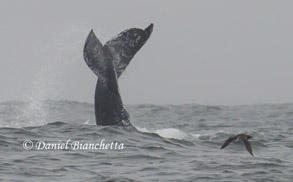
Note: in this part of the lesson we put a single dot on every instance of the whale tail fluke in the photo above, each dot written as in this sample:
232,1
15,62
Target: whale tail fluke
119,50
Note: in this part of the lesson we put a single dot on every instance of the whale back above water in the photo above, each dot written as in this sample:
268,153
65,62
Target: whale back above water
108,63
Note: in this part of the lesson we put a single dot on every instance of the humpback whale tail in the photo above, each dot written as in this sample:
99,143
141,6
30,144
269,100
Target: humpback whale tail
108,63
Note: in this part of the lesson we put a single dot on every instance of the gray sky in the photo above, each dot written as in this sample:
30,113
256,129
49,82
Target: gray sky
205,52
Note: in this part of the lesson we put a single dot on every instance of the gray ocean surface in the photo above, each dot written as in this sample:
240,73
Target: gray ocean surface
170,143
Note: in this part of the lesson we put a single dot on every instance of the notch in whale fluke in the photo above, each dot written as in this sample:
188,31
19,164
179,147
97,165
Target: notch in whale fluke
120,49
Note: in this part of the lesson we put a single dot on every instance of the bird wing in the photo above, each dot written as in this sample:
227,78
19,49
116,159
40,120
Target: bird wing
247,145
227,142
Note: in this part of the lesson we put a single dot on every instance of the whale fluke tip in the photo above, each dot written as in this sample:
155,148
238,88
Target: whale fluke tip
149,29
92,32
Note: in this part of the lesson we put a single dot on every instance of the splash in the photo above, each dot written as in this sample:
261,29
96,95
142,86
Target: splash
58,57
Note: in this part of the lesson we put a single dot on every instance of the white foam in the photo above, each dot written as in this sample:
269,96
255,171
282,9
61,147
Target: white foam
168,133
196,135
172,133
144,130
87,122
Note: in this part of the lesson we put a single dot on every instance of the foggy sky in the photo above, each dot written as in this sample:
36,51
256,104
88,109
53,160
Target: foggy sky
204,52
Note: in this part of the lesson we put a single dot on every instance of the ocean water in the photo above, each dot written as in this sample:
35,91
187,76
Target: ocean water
59,141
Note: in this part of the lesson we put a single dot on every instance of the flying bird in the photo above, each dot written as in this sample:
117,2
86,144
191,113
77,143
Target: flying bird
236,138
